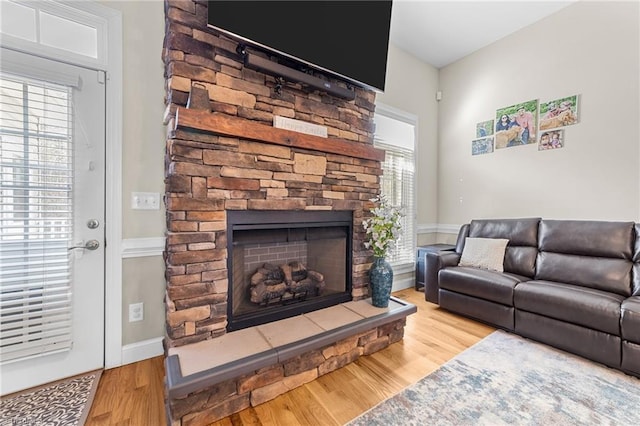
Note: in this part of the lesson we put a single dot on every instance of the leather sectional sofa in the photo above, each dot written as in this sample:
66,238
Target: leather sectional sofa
571,284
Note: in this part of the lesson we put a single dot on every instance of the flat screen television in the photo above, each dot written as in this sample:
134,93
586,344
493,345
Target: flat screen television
346,39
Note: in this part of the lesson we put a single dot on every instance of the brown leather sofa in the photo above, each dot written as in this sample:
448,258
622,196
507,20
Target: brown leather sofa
571,284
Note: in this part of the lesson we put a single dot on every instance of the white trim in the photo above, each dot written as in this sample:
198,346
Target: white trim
142,350
448,228
427,228
142,247
433,228
113,211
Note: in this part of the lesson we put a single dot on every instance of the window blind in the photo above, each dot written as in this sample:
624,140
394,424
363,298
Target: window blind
36,217
397,184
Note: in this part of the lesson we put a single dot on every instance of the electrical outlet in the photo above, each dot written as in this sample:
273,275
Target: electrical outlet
136,312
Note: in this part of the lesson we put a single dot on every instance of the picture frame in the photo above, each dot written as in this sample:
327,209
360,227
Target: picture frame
482,146
484,129
516,125
552,139
559,113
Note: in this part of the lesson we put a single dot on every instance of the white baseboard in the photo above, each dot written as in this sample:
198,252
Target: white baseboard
139,351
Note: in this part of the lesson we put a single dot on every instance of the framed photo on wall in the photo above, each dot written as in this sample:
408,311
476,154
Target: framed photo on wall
552,139
516,124
559,113
484,129
482,146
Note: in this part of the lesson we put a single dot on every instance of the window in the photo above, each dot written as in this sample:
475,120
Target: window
35,217
395,133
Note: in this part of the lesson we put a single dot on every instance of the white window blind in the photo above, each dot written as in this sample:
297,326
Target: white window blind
397,184
36,221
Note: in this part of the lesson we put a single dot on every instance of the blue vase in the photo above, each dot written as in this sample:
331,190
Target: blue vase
381,279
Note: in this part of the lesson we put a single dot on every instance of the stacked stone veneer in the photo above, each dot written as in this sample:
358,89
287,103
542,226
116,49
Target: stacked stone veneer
207,174
231,396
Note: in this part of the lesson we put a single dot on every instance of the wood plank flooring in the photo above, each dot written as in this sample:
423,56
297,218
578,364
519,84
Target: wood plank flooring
134,394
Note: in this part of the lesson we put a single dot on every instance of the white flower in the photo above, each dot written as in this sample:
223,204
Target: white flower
383,228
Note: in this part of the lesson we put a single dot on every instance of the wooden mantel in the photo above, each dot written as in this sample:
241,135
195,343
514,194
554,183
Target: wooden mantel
221,124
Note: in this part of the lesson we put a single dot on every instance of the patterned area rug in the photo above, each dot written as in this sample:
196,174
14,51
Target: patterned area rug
63,403
506,379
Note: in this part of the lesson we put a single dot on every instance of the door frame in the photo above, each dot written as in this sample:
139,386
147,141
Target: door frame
110,61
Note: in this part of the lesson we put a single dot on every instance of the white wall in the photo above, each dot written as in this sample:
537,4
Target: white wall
143,146
411,87
144,135
589,48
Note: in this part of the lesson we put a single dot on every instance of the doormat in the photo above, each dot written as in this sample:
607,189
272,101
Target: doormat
63,403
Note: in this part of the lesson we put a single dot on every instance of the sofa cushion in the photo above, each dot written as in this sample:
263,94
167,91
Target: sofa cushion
521,260
600,273
596,309
519,232
587,238
630,321
584,341
496,314
488,285
520,256
484,253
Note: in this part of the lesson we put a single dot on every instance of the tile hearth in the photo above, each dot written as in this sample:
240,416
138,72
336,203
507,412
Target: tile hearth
191,367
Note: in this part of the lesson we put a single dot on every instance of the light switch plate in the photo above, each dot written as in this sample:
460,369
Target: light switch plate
145,201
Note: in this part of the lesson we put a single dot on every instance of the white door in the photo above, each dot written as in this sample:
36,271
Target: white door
52,154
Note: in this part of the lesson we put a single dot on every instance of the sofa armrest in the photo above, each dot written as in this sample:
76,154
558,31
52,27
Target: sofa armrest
435,261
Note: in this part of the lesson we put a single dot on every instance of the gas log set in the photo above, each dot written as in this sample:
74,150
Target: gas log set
290,282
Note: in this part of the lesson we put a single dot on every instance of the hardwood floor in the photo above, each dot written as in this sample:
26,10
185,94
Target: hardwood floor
130,395
134,394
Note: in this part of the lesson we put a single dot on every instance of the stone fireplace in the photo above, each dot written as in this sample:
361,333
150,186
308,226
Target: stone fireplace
258,212
228,157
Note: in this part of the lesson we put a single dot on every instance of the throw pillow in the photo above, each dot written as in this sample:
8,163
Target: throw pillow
485,253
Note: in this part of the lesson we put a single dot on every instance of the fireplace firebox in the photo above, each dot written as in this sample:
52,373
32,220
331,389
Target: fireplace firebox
286,263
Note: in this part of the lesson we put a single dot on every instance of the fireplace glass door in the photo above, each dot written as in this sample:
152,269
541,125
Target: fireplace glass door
281,265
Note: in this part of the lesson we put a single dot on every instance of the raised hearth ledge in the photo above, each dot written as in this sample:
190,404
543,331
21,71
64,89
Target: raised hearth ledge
267,344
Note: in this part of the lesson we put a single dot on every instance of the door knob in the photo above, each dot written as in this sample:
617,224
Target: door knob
90,245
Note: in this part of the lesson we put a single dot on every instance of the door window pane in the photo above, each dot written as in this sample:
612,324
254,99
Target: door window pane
18,20
68,35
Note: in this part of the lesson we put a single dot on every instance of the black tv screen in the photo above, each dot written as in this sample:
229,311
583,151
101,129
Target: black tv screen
349,39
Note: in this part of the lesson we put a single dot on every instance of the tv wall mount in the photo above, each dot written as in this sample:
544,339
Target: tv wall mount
283,73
